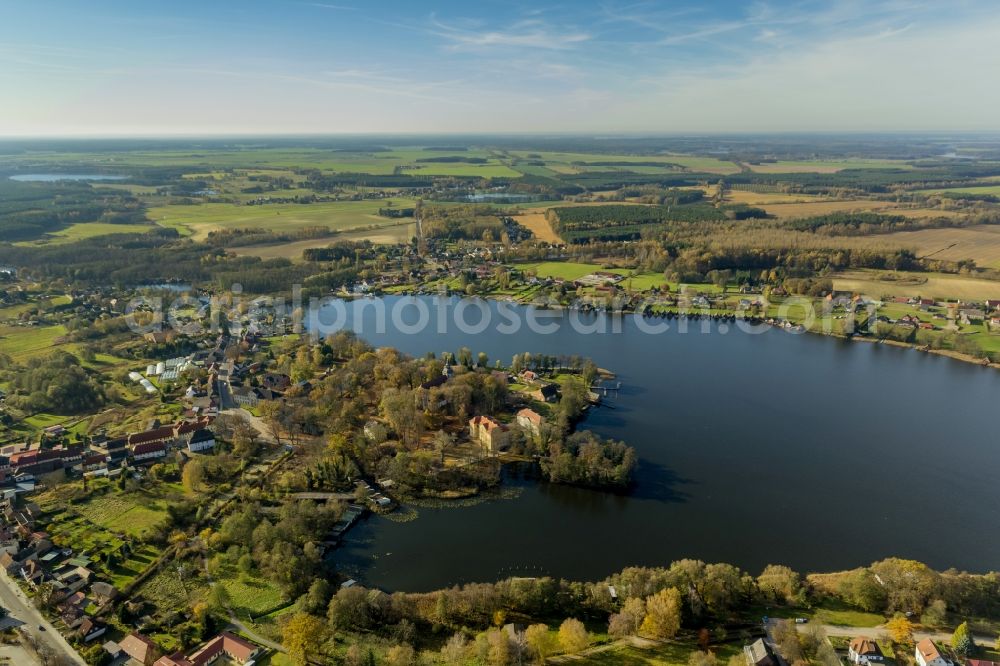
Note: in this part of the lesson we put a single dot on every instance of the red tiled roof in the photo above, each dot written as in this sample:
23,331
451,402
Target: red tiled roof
151,447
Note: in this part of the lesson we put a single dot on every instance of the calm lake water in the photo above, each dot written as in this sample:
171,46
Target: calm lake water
56,177
773,448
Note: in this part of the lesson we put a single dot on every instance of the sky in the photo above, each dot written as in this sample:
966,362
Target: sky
350,66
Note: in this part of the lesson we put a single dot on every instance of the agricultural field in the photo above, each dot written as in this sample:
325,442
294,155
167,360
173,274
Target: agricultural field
979,243
572,163
197,221
814,208
825,166
134,514
992,190
24,342
927,285
82,230
387,235
250,595
538,224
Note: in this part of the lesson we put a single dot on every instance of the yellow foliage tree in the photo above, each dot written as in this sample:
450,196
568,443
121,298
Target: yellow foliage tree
663,614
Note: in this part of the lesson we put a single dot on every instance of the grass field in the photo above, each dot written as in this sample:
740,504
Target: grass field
979,243
251,595
389,235
993,190
927,285
570,163
133,514
199,220
24,342
825,166
82,230
813,208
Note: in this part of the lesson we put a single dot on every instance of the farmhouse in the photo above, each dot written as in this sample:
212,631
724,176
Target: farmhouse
864,651
927,654
488,432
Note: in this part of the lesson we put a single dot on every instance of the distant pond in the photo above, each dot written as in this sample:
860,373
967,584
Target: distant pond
804,450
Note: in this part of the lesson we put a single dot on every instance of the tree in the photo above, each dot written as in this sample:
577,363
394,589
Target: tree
401,655
573,636
900,629
779,583
540,641
193,476
628,621
663,614
456,650
699,658
301,635
935,614
962,640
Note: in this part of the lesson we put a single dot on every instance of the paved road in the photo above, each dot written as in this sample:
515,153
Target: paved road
24,610
880,631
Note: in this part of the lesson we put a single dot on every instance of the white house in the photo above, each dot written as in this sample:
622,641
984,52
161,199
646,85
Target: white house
928,654
201,440
530,420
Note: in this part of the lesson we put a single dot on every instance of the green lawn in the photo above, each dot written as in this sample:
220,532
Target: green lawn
24,342
252,594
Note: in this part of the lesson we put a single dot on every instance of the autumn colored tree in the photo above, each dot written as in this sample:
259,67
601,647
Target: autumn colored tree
900,629
573,636
301,635
663,614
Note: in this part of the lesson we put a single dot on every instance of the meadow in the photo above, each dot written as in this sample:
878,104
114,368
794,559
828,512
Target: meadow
24,342
198,220
927,285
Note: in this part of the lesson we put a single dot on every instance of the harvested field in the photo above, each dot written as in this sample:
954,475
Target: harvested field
927,285
537,224
980,243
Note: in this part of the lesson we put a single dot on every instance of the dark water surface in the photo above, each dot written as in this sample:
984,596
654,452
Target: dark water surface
754,449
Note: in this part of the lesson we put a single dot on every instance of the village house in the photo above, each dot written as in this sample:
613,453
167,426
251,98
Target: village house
531,421
161,435
864,651
928,654
91,629
546,393
489,433
227,645
759,653
140,648
150,451
201,440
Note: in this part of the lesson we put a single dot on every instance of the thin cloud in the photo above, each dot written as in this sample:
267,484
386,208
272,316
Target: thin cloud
526,34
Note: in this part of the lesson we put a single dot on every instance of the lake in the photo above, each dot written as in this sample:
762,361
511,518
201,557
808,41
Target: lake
804,450
56,177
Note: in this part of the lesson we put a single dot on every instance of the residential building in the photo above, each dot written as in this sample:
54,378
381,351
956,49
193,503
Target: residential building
232,647
759,653
201,440
531,421
928,654
490,433
864,651
150,451
140,648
